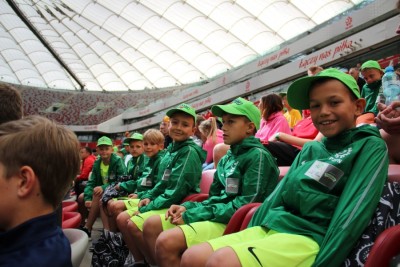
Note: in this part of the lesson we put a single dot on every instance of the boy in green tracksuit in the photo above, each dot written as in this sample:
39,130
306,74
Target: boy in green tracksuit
321,207
179,175
372,73
247,173
134,169
105,170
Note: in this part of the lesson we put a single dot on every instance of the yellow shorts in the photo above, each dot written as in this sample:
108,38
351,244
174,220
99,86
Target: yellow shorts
199,232
258,246
142,217
131,203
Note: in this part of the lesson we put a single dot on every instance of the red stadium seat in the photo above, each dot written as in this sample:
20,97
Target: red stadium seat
207,178
69,206
283,171
394,173
386,246
235,223
71,219
248,216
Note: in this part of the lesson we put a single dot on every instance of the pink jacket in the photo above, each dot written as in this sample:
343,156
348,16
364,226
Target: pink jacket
276,123
209,145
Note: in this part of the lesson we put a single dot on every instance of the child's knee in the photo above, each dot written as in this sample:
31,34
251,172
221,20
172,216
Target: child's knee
152,225
122,220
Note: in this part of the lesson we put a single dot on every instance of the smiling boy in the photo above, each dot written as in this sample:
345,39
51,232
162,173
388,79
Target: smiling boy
179,176
321,207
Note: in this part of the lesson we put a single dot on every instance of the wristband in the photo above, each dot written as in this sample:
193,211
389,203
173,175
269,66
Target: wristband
277,136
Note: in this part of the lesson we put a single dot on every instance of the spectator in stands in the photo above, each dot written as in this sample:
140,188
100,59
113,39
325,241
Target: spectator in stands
197,137
272,119
372,73
285,147
314,70
247,173
211,136
105,171
11,106
31,187
355,72
164,128
292,115
388,119
179,176
326,199
87,161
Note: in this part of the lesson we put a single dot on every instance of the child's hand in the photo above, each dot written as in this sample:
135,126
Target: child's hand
133,196
389,117
174,212
178,221
97,191
117,187
136,213
88,204
144,202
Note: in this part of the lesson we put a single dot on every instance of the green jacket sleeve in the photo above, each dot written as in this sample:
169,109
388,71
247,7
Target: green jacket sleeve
259,178
356,205
128,186
93,181
183,180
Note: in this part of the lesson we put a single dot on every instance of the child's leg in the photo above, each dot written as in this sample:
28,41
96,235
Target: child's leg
105,216
169,247
94,212
152,228
197,255
115,208
126,228
223,257
82,209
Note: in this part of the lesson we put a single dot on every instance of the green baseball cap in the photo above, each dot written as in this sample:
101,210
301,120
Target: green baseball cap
183,108
104,140
240,107
371,64
134,136
298,92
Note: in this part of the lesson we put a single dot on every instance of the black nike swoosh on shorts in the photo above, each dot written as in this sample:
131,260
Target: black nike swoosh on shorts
250,249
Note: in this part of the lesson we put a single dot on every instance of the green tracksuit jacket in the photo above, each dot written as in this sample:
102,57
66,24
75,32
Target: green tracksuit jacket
247,173
116,168
146,181
135,168
330,192
179,175
370,92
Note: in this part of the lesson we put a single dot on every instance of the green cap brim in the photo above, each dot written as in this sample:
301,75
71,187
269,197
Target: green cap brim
298,92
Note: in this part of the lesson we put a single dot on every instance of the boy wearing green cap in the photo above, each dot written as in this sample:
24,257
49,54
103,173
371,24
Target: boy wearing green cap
105,170
372,73
179,174
247,173
321,207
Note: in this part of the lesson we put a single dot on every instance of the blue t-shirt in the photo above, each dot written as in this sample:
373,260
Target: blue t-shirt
37,242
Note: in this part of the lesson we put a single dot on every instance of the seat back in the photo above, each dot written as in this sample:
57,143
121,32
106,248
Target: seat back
79,241
394,173
71,219
283,171
235,223
386,246
207,178
70,206
248,216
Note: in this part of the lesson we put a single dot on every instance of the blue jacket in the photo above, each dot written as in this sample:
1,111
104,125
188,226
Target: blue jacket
37,242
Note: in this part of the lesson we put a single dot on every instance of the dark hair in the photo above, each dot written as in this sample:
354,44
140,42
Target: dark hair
270,104
10,103
88,149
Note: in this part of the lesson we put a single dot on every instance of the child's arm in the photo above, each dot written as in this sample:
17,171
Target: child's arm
357,204
91,184
258,181
183,179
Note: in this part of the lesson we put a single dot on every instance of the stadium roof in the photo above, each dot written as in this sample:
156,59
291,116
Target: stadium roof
117,45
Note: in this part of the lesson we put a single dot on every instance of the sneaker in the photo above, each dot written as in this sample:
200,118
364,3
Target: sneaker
87,231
